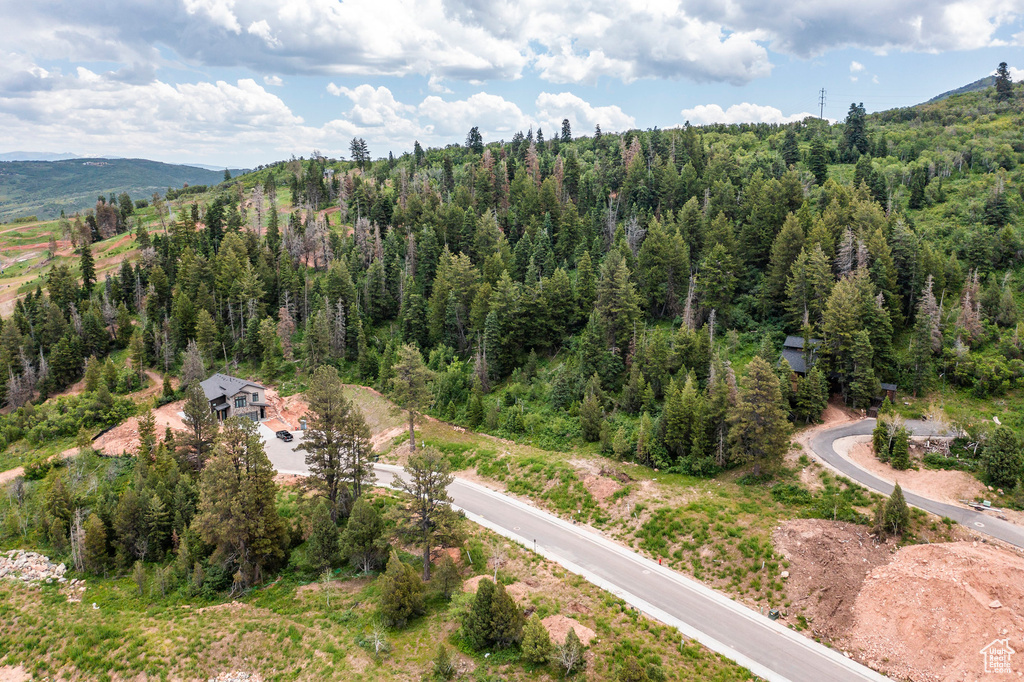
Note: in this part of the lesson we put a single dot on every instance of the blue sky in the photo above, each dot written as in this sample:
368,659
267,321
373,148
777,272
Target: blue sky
244,82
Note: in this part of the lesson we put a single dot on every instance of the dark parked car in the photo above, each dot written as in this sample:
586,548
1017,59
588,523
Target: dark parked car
285,436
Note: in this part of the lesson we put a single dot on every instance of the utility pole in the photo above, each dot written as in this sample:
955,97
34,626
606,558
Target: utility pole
821,104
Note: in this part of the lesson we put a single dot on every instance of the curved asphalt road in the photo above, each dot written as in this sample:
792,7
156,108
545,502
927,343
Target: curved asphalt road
768,649
983,522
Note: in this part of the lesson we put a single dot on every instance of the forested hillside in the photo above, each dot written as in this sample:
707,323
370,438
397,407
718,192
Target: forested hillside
45,188
631,289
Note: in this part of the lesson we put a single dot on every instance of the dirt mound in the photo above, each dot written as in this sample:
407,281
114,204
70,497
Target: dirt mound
828,561
945,486
289,410
928,613
558,627
124,438
14,673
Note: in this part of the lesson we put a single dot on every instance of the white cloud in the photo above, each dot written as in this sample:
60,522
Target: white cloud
856,67
1016,75
583,117
220,12
261,29
738,113
435,85
273,80
243,123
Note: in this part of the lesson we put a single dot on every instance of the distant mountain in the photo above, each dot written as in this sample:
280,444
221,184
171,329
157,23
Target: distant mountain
45,188
36,156
980,84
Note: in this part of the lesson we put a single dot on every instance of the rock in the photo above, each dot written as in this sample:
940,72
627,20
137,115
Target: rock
785,574
995,604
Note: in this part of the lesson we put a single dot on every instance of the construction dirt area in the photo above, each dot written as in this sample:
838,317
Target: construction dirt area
921,612
283,413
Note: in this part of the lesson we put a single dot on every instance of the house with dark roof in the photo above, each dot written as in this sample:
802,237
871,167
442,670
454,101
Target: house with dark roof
793,352
233,397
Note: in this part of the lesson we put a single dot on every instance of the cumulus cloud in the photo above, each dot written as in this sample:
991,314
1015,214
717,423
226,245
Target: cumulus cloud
856,67
583,116
243,123
261,29
273,80
746,112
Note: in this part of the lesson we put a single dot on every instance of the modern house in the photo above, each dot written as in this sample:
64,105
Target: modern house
793,353
233,397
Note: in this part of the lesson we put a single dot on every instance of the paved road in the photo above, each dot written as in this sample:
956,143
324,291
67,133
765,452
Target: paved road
983,522
766,648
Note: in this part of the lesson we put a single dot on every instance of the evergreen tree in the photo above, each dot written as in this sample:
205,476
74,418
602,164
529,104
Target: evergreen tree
409,387
336,444
895,517
444,665
446,579
200,428
94,550
811,397
476,624
880,441
855,135
1004,84
591,416
900,453
475,141
817,161
88,267
401,593
237,504
506,620
790,149
569,655
1002,459
430,516
363,542
760,431
322,546
536,645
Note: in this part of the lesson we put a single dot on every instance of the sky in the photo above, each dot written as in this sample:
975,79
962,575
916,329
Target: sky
243,83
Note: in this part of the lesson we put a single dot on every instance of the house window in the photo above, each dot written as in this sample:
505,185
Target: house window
240,401
255,397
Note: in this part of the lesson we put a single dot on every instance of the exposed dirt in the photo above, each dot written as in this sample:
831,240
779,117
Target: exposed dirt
927,614
124,438
382,440
14,673
558,627
828,561
944,486
287,410
336,586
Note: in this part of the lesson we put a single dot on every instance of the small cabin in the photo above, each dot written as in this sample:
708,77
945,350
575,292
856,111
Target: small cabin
233,397
793,353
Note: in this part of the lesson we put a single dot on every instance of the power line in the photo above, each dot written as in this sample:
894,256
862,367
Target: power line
821,104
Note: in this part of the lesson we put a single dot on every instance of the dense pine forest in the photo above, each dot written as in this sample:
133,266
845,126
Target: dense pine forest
622,292
606,287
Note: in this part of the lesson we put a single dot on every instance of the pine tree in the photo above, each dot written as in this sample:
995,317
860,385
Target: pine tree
880,441
447,578
322,546
591,416
95,545
817,161
476,624
200,428
1001,458
760,431
569,655
430,517
1004,84
444,665
536,646
811,396
506,620
88,267
363,542
900,457
401,593
409,387
895,517
336,443
237,504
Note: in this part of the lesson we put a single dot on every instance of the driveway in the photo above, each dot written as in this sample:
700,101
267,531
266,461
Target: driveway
282,455
821,445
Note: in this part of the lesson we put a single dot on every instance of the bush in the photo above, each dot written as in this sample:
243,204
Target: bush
401,593
1001,458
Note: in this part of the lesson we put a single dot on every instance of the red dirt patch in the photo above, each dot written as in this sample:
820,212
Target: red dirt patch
928,613
558,627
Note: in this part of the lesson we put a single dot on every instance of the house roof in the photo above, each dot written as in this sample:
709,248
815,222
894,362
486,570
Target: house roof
798,342
224,385
795,358
888,387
